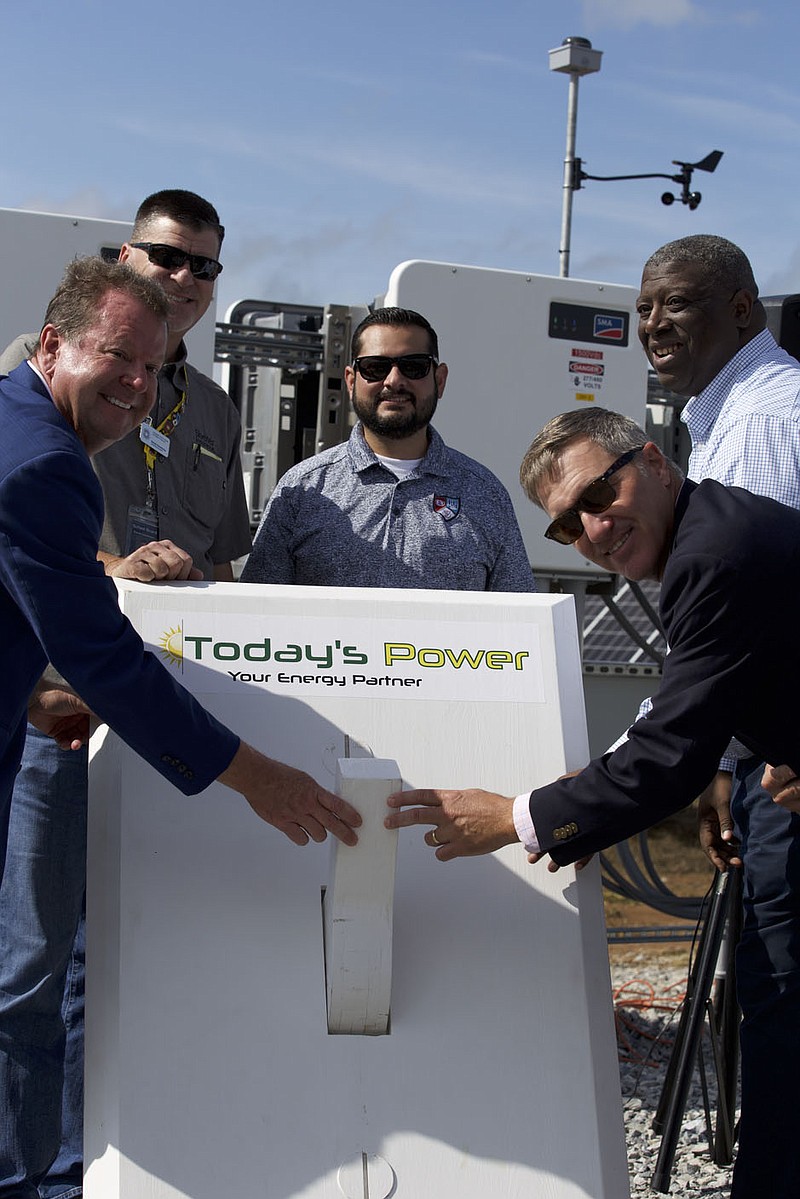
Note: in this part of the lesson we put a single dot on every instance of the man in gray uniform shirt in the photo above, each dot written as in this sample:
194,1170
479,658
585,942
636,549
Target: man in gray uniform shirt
394,506
175,509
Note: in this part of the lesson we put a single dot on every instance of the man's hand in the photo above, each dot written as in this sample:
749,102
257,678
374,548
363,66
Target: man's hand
60,714
714,823
289,799
552,866
156,562
783,785
466,822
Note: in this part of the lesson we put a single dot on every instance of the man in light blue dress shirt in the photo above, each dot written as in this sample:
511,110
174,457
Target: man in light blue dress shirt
704,331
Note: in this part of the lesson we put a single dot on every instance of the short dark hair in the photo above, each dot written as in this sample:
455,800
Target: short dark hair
86,283
718,257
183,207
611,431
396,317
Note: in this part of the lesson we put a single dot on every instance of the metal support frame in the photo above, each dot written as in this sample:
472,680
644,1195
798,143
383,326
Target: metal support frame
722,922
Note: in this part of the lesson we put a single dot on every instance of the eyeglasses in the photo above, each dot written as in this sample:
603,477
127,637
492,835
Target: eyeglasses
596,497
172,259
374,368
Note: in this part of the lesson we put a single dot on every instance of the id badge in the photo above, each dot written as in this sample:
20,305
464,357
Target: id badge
142,528
159,442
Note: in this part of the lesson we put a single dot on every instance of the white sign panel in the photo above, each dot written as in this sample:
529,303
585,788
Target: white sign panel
315,1023
411,659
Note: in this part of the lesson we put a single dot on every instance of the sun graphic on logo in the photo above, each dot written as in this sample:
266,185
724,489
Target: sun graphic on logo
171,646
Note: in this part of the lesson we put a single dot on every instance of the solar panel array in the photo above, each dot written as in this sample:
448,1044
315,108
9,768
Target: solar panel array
605,640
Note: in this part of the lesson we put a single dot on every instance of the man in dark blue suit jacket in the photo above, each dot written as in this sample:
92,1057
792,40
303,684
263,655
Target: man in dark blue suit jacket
92,379
729,565
626,507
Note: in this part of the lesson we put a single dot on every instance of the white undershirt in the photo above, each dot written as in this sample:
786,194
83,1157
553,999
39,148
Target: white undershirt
399,466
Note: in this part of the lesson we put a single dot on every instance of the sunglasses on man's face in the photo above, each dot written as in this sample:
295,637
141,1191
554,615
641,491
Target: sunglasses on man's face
374,368
596,497
172,259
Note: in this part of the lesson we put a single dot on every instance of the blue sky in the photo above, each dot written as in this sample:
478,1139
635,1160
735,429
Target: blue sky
339,140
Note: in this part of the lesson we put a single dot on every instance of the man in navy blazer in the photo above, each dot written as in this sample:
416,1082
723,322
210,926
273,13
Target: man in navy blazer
91,380
626,507
729,566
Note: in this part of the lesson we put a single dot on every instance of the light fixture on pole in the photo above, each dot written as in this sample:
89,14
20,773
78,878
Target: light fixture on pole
574,57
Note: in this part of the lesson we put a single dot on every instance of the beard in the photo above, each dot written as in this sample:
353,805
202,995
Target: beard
396,425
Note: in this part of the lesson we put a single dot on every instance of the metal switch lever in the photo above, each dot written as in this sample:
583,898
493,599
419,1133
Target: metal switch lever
358,904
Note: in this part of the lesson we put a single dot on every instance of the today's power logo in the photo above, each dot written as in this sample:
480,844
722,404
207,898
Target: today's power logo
170,643
444,660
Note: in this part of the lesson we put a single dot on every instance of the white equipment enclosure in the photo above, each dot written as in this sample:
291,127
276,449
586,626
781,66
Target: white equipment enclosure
319,1023
35,247
522,348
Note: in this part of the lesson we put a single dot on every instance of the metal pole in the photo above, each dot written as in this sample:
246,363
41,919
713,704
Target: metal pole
569,166
672,1106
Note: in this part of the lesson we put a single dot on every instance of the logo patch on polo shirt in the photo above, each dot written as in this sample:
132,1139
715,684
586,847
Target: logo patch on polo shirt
447,506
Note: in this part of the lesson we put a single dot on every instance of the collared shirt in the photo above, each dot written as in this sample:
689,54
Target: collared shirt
745,426
342,519
745,431
199,490
40,377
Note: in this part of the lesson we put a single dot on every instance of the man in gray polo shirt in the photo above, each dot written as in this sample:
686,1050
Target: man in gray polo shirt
394,506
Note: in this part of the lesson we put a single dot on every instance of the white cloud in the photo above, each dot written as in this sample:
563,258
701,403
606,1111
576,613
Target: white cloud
445,174
781,278
761,121
666,14
711,104
485,58
626,14
86,202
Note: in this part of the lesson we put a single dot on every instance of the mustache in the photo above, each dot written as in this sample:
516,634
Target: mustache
402,394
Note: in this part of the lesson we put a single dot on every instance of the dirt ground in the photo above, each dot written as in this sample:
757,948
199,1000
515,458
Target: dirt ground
683,868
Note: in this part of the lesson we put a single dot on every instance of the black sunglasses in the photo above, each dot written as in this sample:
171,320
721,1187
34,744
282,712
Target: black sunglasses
172,259
375,367
596,497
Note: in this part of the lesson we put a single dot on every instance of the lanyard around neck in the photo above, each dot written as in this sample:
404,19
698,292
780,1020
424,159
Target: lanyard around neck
168,425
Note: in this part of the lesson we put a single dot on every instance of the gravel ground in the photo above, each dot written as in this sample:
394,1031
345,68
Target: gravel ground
647,1001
